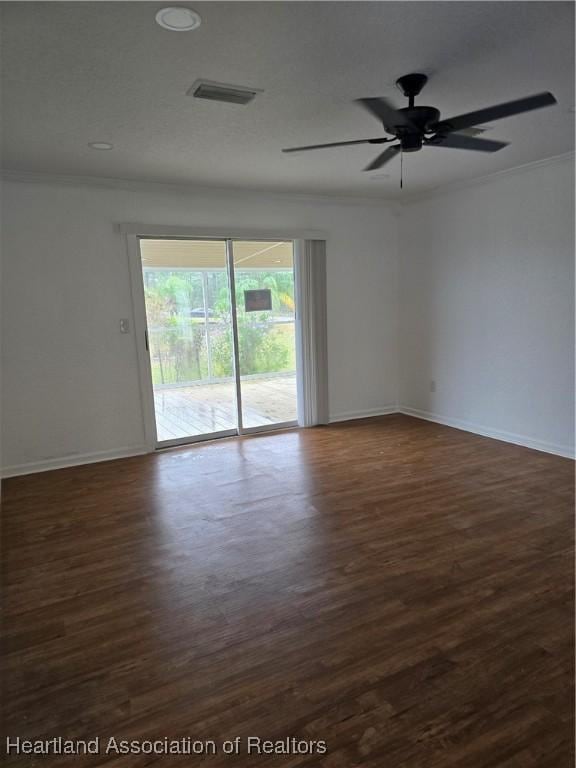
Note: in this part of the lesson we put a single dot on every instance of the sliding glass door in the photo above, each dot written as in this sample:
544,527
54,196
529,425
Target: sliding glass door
264,306
188,314
220,336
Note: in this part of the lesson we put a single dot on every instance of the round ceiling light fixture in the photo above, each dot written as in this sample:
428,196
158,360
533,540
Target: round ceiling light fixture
178,19
102,145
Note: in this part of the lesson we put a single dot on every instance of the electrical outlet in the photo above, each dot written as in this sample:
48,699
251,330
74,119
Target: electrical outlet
432,385
124,326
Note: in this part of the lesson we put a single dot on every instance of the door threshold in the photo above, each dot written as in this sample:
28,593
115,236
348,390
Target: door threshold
252,432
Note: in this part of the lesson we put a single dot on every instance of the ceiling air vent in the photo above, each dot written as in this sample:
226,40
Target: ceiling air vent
233,94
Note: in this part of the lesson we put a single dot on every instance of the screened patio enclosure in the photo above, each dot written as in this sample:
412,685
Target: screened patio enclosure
193,348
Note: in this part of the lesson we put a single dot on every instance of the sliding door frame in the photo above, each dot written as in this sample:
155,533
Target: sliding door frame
140,325
235,340
242,430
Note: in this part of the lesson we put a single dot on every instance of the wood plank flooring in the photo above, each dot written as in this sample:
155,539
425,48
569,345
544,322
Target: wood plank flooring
401,590
205,408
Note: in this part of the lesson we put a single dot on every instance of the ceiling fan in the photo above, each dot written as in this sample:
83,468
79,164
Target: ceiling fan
414,127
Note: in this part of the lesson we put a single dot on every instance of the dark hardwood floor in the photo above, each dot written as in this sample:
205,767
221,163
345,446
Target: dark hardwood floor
401,590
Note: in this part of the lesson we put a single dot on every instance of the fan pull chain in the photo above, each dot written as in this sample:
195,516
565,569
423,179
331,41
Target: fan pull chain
401,168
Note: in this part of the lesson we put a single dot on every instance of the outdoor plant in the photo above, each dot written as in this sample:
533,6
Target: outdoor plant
178,326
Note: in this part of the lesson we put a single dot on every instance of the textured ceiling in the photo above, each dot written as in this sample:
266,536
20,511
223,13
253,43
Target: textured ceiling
98,71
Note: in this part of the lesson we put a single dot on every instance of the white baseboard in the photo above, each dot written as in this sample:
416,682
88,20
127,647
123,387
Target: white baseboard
384,410
496,434
72,461
138,450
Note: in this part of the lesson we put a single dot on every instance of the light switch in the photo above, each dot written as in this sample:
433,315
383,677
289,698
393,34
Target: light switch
124,326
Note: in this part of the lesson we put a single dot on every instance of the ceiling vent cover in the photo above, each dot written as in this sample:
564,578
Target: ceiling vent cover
233,94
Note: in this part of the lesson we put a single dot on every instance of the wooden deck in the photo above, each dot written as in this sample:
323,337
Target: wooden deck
204,408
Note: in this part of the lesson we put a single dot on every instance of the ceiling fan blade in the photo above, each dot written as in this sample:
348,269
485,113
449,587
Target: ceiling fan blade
383,158
384,111
497,112
457,141
337,144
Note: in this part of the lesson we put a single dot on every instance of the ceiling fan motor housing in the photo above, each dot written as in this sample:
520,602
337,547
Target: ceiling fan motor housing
420,119
411,142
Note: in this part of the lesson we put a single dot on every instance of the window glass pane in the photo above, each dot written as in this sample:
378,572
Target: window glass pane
264,281
189,336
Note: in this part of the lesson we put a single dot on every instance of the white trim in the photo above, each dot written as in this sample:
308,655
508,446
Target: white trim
189,188
235,340
384,410
209,269
265,431
455,186
140,325
495,434
392,201
75,460
264,428
193,232
79,459
180,442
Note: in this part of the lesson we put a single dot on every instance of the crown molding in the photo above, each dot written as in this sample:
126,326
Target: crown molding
393,204
447,189
132,185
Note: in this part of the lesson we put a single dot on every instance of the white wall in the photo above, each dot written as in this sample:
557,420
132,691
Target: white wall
70,382
487,307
